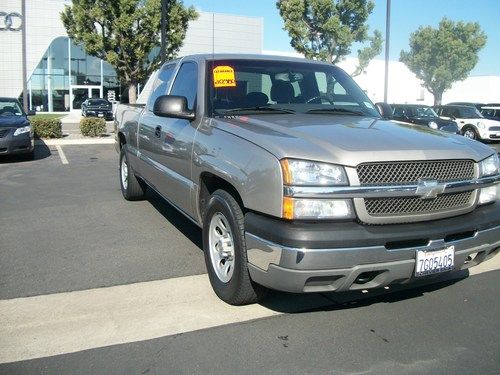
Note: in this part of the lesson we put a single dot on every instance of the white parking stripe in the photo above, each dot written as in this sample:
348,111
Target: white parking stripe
43,326
48,325
60,151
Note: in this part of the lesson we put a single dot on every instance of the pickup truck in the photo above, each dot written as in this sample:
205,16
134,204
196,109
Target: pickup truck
299,184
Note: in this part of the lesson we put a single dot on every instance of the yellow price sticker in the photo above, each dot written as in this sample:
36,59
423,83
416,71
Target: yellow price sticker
224,77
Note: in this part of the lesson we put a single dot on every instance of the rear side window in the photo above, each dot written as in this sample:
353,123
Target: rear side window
161,84
186,83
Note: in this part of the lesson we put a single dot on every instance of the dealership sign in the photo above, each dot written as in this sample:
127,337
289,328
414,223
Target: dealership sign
10,21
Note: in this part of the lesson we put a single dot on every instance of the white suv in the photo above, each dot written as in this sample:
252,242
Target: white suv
470,121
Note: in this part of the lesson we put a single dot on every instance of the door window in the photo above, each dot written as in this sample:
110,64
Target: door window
186,83
161,84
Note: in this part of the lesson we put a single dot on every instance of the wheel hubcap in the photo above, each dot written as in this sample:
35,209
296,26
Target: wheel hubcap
124,173
469,134
221,247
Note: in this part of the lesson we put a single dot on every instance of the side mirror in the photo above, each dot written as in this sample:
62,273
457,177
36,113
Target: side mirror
385,110
31,113
173,106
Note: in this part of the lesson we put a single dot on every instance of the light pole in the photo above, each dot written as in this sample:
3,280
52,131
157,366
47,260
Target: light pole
387,37
164,25
23,49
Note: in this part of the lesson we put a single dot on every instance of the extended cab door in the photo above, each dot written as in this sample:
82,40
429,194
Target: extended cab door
150,128
174,146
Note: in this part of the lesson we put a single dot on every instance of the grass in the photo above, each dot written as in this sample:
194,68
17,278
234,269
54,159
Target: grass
48,116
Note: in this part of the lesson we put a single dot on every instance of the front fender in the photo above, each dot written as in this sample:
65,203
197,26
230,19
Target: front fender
252,171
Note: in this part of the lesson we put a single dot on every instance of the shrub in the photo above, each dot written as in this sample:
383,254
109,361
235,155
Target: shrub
46,128
92,127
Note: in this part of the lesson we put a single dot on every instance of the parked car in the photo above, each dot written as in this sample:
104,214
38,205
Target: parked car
422,115
97,108
478,106
298,183
491,112
471,122
16,133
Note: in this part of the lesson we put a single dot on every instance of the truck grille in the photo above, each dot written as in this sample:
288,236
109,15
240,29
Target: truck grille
4,132
416,205
403,173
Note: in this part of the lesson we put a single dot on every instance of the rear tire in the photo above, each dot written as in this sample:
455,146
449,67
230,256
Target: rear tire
132,188
225,251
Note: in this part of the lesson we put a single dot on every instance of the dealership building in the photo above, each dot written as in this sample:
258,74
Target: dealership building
60,75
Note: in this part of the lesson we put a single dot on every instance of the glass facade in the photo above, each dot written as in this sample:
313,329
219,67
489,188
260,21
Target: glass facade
66,76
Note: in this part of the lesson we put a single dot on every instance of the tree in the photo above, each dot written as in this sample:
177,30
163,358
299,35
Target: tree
125,32
445,55
326,29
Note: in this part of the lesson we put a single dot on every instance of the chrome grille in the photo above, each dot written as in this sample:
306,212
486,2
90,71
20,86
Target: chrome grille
416,205
410,172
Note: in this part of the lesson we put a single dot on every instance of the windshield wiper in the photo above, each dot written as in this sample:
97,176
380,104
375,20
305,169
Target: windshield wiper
257,109
336,110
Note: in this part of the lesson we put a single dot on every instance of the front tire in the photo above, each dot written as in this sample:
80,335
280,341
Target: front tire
471,133
132,189
225,251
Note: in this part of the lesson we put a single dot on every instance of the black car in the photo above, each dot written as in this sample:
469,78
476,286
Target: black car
422,115
16,133
97,108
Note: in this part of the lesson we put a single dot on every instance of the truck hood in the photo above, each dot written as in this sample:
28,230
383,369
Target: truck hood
349,140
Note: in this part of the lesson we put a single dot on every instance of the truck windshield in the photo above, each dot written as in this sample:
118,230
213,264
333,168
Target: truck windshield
248,86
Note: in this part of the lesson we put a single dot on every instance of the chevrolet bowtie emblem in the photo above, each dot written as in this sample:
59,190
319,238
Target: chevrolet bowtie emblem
429,189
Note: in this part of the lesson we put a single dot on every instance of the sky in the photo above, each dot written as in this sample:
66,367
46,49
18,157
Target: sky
406,17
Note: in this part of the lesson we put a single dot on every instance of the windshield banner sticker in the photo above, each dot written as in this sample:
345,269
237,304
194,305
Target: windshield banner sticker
224,77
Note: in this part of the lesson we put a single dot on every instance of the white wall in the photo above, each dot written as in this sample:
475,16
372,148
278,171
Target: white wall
405,87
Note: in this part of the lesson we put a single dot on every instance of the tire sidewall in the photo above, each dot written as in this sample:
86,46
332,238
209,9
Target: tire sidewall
123,154
217,203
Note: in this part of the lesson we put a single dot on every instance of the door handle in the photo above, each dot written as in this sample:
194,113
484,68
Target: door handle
158,131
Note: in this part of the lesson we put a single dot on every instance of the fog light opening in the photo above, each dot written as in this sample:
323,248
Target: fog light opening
470,258
366,277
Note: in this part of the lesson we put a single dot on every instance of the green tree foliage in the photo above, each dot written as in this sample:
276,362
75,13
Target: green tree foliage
442,56
125,32
326,29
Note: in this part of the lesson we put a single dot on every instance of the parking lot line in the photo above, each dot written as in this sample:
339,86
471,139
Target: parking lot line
47,325
60,151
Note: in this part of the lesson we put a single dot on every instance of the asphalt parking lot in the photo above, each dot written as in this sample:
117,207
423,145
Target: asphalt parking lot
93,284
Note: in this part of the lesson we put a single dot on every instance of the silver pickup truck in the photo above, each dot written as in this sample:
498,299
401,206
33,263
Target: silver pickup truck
299,184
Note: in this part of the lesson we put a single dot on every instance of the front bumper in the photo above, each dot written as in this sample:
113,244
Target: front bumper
107,115
318,257
20,144
493,134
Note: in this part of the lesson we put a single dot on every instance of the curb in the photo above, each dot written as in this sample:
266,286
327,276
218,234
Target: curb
69,142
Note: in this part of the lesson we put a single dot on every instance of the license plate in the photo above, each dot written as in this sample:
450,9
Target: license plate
435,261
100,114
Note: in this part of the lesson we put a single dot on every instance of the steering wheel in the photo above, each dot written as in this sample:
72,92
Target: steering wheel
320,96
7,113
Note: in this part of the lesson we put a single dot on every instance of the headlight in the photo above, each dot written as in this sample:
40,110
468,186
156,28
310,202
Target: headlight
303,172
433,125
24,129
480,125
490,166
317,208
488,195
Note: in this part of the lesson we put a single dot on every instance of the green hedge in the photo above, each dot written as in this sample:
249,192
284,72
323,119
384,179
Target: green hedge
46,128
92,127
